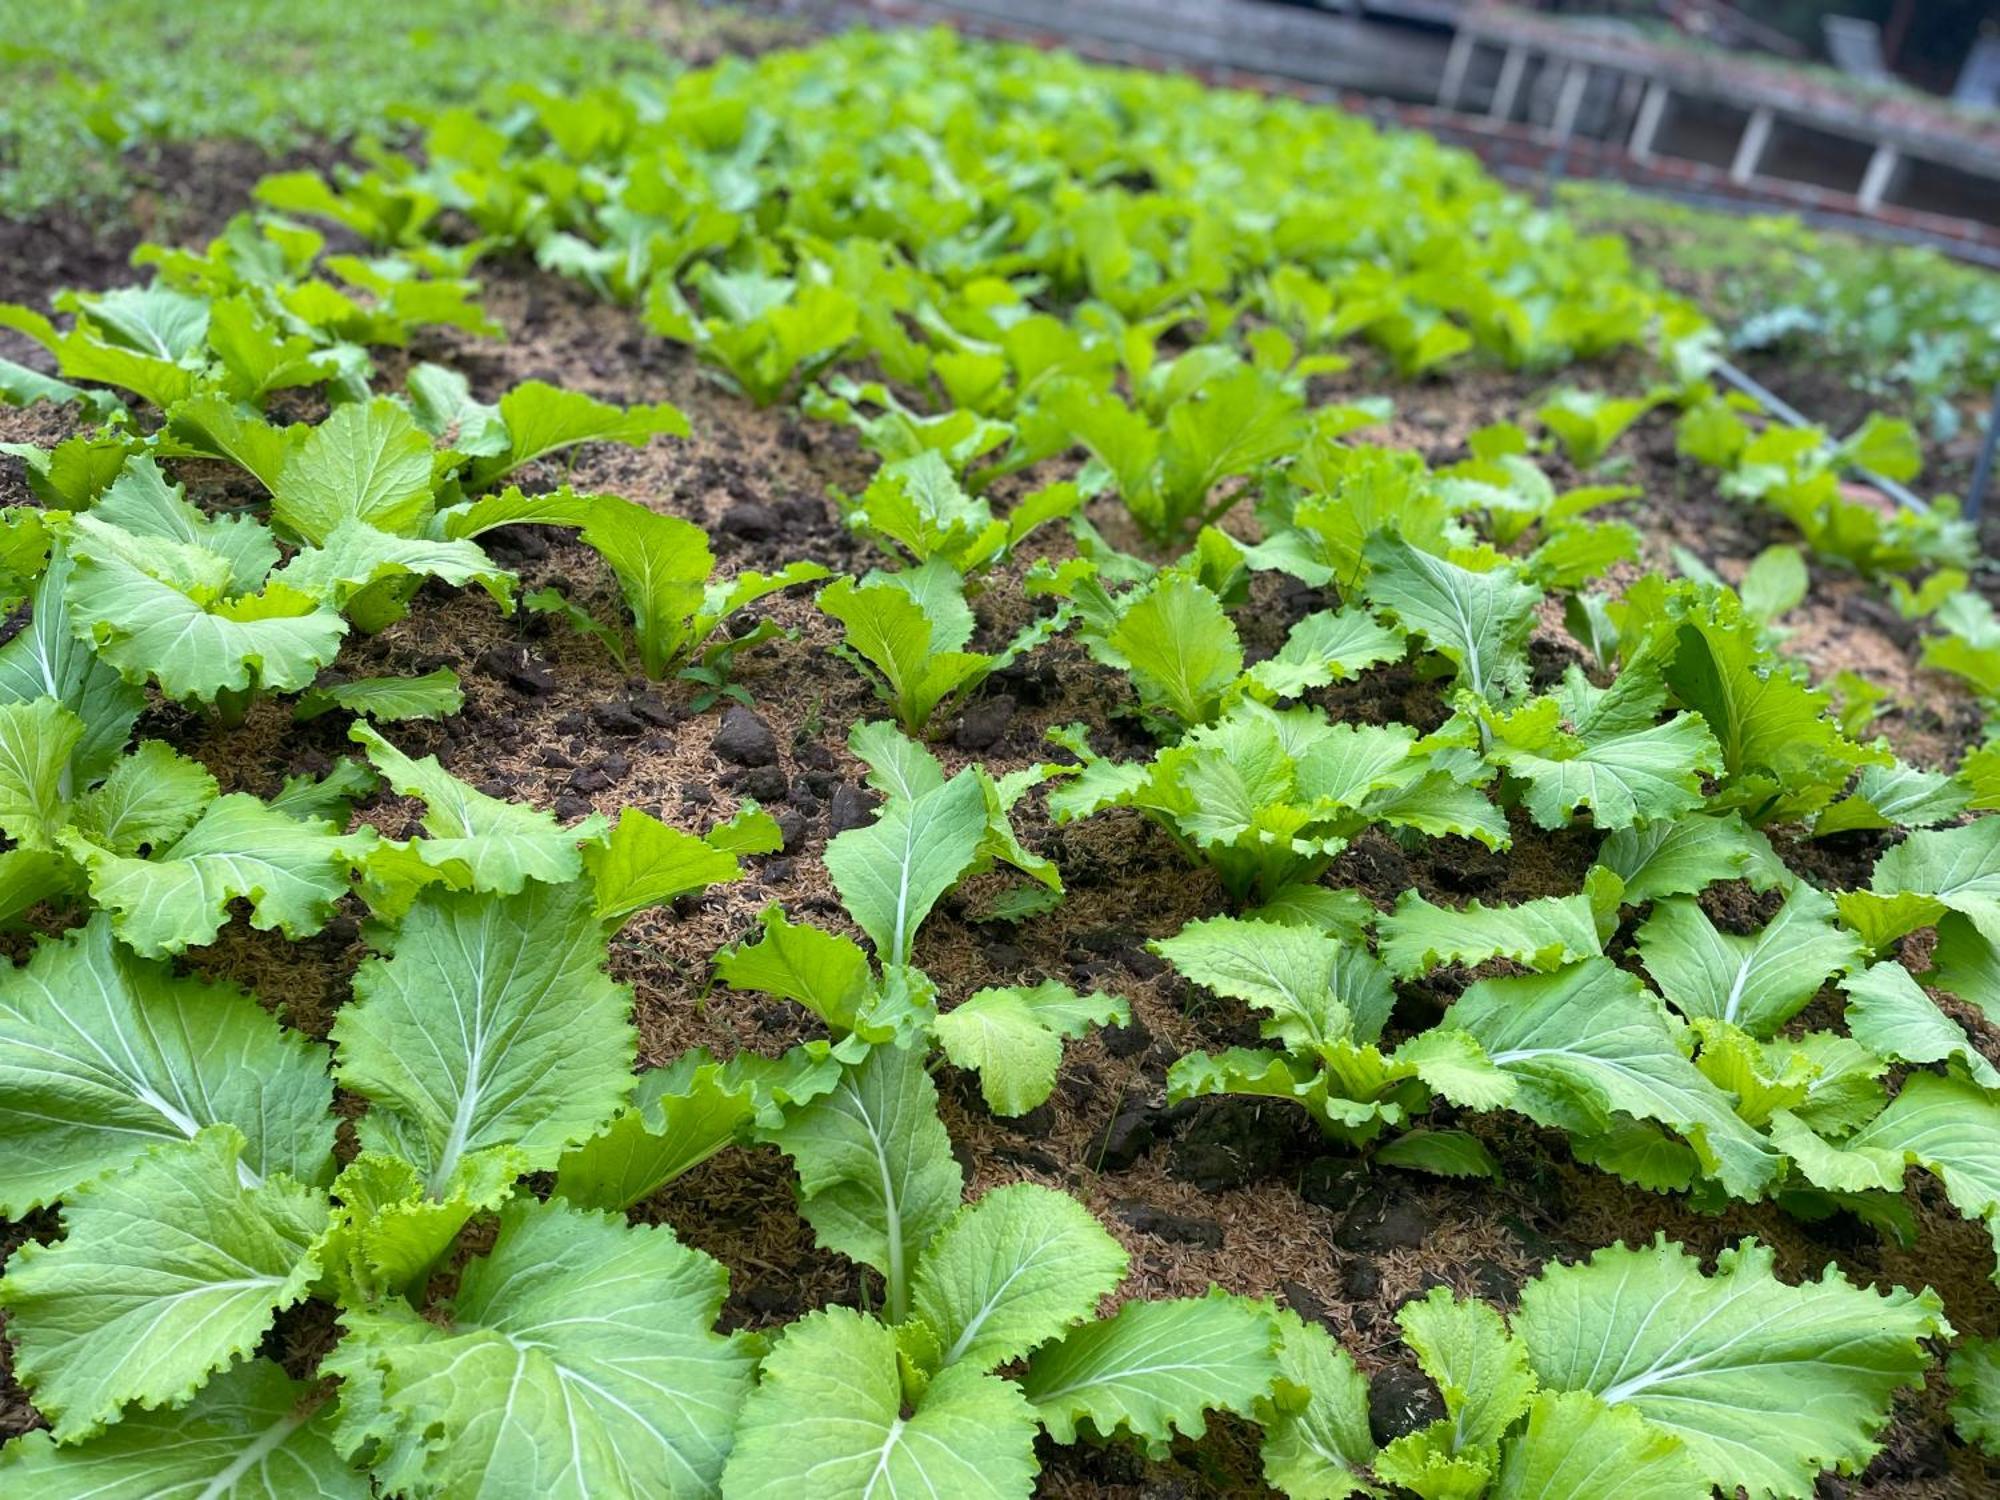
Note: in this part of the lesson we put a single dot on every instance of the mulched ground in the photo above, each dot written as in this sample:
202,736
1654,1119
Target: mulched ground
1243,1194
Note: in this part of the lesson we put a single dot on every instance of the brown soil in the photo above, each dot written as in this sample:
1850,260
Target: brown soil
1234,1193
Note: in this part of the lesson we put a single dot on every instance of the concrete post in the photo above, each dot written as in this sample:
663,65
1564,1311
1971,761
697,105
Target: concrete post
1512,66
1750,150
1885,169
1456,64
1576,79
1652,112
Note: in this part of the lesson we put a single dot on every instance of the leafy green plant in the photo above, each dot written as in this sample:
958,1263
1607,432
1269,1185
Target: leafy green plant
906,633
917,506
1269,797
663,566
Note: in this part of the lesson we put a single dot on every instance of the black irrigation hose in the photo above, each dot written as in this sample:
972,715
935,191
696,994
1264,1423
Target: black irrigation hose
1778,407
1982,472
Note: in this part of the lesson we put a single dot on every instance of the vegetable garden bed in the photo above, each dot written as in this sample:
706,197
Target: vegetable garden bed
1113,874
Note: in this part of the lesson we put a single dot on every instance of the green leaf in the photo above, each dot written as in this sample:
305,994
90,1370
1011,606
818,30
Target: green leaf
37,740
825,972
679,1117
489,1023
46,659
1784,754
1478,1367
1602,750
387,700
1156,1368
441,400
371,574
102,1053
1574,1447
1765,1383
1447,1153
1182,651
150,799
290,870
196,646
331,796
211,425
1012,1037
580,1359
251,1433
1479,622
1590,1040
1010,1272
1323,648
828,1416
171,1268
143,504
888,630
1418,937
876,1175
892,872
662,564
1956,868
1689,854
1897,796
542,419
366,462
389,1230
1313,1446
1889,1014
1286,971
645,863
479,842
1975,1383
1758,982
1950,1128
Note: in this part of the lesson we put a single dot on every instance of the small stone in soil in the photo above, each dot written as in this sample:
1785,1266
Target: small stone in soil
745,739
791,827
1302,1301
765,783
849,807
751,521
1360,1281
1178,1229
589,779
523,673
1124,1139
1037,1124
1379,1222
617,718
982,723
1400,1399
570,807
1127,1041
1331,1181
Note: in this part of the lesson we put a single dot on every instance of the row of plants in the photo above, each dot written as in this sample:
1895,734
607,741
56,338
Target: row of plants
189,1138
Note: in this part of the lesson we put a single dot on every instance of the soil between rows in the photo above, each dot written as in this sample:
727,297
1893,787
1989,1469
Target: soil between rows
1232,1192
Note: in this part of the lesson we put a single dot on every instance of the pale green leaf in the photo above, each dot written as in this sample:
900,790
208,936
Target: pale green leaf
290,870
1012,1271
1156,1368
580,1361
1759,981
892,872
490,1023
102,1053
251,1433
1766,1383
171,1268
829,1418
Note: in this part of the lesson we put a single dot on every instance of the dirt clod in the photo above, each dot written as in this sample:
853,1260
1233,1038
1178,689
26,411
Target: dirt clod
745,739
